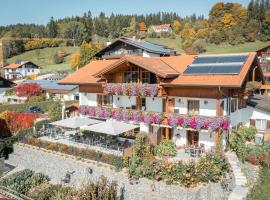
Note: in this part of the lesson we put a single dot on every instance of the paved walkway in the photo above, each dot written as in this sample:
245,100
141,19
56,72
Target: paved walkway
241,189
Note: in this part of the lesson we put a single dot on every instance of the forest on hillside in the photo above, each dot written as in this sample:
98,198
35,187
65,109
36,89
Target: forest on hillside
227,22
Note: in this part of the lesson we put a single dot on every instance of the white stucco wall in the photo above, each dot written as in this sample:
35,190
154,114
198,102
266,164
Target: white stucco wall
144,127
153,104
88,99
254,113
124,101
208,109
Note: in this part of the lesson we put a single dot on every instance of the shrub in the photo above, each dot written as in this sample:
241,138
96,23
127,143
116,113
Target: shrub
23,181
36,99
55,111
252,158
166,148
54,192
248,133
63,148
57,58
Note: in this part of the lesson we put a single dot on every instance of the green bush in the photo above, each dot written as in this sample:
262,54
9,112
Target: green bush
166,148
23,107
23,181
6,146
55,111
34,99
53,192
248,133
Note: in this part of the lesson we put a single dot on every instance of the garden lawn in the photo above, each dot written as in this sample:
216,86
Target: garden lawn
44,58
172,43
262,190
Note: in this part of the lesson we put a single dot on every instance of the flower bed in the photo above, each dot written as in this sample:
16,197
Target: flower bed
187,121
131,89
70,150
211,167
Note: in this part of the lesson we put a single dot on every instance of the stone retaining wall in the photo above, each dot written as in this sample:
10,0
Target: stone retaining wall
55,166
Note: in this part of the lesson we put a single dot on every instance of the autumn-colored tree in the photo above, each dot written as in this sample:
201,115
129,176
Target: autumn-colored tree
142,26
75,60
176,26
87,51
28,90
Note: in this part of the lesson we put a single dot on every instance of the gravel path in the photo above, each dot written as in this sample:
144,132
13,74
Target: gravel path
55,166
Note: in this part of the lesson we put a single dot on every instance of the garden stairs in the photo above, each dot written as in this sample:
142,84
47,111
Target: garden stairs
240,189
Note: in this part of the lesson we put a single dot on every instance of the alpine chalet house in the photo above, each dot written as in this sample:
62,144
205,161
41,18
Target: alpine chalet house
187,99
162,28
127,46
21,69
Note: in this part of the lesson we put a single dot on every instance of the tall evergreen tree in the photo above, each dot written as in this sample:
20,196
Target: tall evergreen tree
52,28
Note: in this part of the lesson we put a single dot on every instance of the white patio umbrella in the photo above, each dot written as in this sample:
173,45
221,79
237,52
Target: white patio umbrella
110,127
75,122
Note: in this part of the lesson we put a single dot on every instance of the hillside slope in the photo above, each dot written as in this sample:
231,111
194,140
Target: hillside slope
44,58
212,48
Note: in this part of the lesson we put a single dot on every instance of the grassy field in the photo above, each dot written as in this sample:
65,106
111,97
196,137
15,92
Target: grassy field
262,190
212,48
44,58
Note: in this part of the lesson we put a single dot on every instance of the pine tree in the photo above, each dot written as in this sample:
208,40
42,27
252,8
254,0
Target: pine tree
52,28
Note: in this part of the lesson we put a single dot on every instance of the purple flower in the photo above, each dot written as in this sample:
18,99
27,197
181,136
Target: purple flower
117,115
172,121
146,118
117,89
153,90
134,90
180,121
91,111
214,124
134,116
156,118
144,90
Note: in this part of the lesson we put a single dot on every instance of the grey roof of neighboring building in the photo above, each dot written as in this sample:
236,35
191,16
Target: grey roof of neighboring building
147,46
51,85
259,102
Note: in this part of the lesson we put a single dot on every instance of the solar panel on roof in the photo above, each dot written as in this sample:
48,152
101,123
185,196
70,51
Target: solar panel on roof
219,59
214,69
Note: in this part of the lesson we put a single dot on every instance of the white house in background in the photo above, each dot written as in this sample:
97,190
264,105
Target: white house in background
4,86
165,28
56,91
21,69
188,87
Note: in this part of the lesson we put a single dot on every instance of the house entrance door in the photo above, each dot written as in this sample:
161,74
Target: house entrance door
192,138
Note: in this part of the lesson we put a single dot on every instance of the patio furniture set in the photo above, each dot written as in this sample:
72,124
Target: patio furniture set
195,150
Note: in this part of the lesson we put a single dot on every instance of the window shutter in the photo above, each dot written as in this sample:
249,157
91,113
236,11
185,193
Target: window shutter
252,122
268,124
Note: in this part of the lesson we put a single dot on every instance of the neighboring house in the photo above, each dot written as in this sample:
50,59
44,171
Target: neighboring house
205,85
127,46
264,58
258,115
56,91
162,28
4,86
21,69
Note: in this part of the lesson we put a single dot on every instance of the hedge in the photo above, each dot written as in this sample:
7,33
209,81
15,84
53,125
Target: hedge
44,105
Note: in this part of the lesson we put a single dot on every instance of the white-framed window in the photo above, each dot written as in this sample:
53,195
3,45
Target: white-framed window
261,124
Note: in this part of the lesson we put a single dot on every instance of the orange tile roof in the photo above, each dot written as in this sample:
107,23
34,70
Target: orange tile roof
265,87
155,65
170,68
15,66
215,80
85,74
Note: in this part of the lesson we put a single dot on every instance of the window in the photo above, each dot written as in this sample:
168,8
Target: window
143,104
146,77
261,124
193,107
233,105
105,100
131,75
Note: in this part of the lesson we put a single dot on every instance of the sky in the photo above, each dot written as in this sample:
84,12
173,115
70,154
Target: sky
40,11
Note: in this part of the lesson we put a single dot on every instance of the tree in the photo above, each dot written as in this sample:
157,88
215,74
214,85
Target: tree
176,26
55,111
142,26
75,60
75,31
87,51
52,28
28,90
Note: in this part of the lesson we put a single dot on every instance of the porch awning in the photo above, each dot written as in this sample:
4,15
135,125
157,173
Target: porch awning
110,127
75,122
